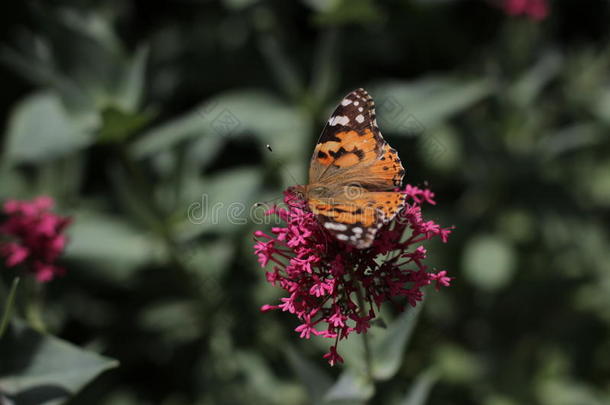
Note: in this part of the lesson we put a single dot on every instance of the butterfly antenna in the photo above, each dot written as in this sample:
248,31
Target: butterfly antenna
287,171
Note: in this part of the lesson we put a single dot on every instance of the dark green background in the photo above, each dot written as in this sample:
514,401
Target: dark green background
119,110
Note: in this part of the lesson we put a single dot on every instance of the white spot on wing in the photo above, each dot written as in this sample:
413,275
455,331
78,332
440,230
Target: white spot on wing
341,236
346,101
335,226
338,120
360,118
356,103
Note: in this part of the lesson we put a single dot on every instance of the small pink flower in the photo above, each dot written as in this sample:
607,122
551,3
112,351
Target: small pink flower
323,276
536,10
441,279
337,319
33,236
332,356
14,253
306,329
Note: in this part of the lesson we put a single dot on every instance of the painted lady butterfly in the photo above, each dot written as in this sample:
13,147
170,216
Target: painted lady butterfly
353,174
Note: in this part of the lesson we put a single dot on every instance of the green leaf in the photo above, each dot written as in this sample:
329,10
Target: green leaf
37,368
525,89
420,390
131,197
350,388
601,106
159,139
220,208
316,380
110,247
260,380
582,135
203,151
8,306
208,260
488,262
118,125
131,88
245,113
176,320
32,57
41,129
457,365
409,108
388,345
95,28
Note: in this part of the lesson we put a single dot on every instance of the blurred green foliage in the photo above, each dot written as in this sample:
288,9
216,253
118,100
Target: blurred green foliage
135,114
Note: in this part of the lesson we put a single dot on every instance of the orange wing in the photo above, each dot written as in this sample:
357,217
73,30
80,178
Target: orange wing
388,168
356,221
358,172
352,149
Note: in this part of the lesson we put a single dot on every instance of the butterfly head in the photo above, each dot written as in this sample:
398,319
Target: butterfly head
299,190
312,191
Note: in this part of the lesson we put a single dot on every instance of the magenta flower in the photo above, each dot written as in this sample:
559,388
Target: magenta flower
535,9
335,289
33,236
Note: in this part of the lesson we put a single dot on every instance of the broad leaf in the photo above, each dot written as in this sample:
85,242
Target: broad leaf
246,113
388,346
37,368
109,247
131,86
350,388
41,129
118,125
409,108
420,390
315,380
219,207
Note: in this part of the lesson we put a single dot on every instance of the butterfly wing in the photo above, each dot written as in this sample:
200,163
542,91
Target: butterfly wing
352,148
357,220
354,162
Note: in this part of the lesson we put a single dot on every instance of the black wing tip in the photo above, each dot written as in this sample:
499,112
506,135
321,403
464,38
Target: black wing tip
360,91
360,94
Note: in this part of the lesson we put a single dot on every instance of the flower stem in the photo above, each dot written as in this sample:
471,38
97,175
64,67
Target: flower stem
8,309
33,304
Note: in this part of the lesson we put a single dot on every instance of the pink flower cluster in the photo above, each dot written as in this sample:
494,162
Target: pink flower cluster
335,289
535,9
32,235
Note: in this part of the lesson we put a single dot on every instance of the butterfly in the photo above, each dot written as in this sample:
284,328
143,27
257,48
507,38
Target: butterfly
354,174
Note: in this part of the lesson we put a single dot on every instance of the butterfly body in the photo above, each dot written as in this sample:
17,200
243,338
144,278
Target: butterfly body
354,174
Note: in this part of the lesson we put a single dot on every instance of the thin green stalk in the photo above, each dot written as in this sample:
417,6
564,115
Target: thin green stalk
33,304
8,309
